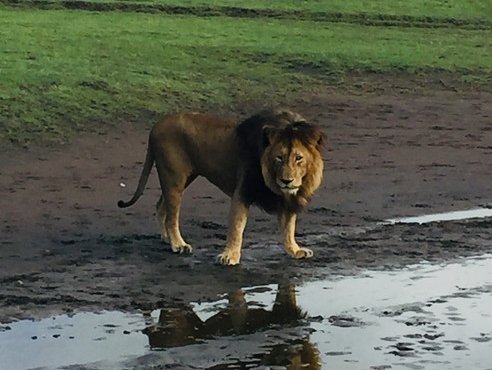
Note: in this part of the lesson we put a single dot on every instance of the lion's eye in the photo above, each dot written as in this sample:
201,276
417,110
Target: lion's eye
278,158
298,157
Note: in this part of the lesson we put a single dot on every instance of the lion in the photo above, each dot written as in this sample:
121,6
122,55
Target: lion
272,160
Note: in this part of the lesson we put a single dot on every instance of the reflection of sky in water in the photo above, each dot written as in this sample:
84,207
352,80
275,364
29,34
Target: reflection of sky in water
450,304
447,216
262,297
82,338
369,298
374,289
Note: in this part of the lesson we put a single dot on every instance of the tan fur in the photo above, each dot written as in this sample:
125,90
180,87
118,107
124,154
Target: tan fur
188,145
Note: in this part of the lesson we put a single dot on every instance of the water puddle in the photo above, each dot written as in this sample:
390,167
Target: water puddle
424,316
447,216
71,339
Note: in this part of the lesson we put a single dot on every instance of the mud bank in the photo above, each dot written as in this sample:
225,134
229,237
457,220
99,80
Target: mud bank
420,316
67,250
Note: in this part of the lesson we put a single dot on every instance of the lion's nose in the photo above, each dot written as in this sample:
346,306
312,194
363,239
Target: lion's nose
287,181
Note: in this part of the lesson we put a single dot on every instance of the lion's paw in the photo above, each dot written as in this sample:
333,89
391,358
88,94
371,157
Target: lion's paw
303,253
229,258
165,238
185,248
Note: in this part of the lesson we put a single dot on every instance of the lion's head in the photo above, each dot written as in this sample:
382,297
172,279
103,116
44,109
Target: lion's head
291,162
281,153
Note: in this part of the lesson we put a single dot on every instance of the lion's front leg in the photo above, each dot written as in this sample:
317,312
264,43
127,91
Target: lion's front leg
238,217
288,226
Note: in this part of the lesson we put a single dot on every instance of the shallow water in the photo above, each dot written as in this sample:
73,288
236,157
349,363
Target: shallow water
446,216
424,316
71,339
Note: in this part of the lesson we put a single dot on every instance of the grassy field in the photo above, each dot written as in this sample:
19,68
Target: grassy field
63,71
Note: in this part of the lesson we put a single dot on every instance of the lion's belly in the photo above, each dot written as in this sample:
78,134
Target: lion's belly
226,184
216,156
219,166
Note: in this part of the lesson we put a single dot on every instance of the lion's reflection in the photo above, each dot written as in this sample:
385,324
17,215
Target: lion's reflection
180,326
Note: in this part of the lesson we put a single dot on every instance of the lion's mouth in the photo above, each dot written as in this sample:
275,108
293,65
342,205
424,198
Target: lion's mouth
291,190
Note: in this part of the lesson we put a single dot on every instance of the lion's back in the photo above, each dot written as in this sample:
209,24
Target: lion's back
204,143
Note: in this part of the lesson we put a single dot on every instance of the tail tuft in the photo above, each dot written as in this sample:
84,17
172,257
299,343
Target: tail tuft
121,204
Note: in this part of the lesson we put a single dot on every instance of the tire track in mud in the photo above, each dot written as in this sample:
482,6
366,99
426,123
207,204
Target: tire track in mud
366,19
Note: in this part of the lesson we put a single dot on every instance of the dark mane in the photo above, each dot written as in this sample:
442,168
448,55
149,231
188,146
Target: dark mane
250,133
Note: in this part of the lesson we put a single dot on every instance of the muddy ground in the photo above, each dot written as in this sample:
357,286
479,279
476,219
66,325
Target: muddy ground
66,246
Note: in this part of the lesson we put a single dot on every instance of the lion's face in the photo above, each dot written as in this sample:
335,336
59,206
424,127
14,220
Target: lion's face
288,166
291,162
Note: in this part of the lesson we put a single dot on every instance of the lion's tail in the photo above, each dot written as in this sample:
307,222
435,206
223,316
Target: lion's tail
149,162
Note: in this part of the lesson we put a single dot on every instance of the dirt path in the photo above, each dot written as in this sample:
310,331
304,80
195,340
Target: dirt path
64,245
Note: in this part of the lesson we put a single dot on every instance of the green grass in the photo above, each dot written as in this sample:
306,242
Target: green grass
64,71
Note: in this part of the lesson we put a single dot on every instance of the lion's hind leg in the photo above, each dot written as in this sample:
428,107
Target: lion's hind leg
160,210
173,187
172,204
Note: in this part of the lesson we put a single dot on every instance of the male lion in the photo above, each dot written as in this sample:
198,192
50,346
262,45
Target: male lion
272,160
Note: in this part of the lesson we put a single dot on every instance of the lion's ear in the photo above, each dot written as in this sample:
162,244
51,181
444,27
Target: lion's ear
269,133
320,139
317,136
311,133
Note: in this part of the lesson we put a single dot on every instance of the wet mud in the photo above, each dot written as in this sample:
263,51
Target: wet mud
419,317
76,272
